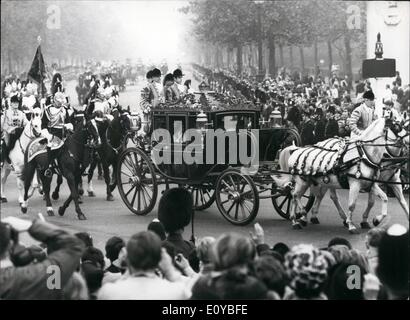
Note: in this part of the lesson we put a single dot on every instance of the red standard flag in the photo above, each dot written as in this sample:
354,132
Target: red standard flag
37,71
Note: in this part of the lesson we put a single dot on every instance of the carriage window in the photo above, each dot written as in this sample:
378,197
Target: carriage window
160,122
235,122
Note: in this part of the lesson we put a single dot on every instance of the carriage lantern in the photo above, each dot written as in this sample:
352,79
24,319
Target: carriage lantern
201,121
135,121
275,119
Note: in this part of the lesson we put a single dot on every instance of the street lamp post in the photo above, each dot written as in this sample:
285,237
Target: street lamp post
260,49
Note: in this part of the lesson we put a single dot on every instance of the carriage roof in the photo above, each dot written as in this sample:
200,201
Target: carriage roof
212,104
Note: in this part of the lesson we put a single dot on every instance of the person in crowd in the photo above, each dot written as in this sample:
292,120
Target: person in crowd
273,274
398,78
175,210
332,125
30,281
76,288
157,227
373,238
204,253
144,258
307,133
393,262
307,270
93,274
113,248
338,286
86,238
320,125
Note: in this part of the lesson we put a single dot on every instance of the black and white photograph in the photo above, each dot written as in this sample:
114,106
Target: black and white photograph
204,150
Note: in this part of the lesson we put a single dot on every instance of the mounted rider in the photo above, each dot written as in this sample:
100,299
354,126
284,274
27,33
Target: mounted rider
363,115
13,122
56,123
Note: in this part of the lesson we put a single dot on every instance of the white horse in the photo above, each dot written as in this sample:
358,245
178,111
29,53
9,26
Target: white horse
313,167
31,131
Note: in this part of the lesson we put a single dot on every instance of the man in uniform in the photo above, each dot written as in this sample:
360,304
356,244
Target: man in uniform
181,89
150,97
13,122
363,115
55,122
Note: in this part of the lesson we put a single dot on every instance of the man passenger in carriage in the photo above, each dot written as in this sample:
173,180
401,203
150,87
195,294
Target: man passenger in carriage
363,115
13,122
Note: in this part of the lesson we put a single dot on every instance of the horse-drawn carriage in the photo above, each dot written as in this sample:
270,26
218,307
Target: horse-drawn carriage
212,161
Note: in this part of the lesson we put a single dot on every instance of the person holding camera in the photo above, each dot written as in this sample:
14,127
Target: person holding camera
22,274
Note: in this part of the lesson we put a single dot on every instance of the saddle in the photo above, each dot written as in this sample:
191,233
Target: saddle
39,146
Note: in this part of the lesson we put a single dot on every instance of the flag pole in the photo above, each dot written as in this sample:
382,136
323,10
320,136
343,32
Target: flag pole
40,70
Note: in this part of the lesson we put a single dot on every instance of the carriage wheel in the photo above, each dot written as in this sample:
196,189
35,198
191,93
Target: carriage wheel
202,195
282,203
236,197
137,183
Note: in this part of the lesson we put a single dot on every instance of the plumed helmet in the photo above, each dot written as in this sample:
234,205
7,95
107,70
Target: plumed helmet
175,209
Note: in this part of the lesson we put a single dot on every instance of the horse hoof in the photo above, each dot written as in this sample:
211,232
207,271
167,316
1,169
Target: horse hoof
61,211
303,223
3,200
345,224
91,193
296,226
353,230
40,191
314,220
376,222
81,192
55,196
50,213
110,197
24,209
81,216
365,225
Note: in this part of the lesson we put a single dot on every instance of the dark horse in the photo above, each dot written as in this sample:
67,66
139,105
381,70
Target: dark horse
70,159
112,135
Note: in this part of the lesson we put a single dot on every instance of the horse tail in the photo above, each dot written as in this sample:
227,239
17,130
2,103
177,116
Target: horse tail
284,156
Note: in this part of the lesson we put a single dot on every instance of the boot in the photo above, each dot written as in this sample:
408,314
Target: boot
49,171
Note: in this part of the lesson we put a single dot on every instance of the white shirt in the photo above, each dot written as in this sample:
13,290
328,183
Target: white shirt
143,288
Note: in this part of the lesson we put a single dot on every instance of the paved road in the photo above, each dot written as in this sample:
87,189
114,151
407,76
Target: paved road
106,219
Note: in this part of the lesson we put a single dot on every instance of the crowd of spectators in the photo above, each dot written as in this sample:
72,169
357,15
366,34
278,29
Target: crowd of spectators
161,264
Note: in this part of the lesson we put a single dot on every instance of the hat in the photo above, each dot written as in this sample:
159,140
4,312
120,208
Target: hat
113,247
156,73
168,77
178,73
393,267
175,209
158,228
149,74
331,109
368,95
14,99
307,268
